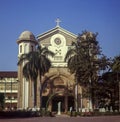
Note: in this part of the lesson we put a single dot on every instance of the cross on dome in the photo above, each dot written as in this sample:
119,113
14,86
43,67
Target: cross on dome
58,22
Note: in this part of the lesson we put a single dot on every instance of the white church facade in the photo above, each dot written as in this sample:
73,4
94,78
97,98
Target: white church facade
58,84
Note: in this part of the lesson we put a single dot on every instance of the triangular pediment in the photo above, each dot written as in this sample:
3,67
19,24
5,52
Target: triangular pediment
53,31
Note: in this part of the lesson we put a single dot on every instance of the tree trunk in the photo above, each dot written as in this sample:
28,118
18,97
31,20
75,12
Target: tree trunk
40,82
35,93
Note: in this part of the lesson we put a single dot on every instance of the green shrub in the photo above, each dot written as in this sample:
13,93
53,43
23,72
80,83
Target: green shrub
73,113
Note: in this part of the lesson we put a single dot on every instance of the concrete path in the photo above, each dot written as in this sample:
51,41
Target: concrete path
65,119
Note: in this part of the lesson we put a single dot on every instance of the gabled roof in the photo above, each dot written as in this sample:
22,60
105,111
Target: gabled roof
57,28
8,74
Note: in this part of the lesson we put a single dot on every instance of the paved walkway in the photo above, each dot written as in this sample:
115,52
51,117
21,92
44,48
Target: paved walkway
65,119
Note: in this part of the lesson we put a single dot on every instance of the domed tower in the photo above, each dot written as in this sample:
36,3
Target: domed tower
26,43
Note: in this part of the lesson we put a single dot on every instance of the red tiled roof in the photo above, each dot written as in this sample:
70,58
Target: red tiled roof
8,74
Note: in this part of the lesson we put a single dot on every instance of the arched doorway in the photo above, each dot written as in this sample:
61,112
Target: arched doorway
67,100
55,102
58,88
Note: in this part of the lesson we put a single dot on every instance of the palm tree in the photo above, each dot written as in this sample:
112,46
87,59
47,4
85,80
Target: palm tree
37,64
30,70
44,64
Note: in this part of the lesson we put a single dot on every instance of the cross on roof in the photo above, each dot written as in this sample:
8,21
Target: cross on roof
58,22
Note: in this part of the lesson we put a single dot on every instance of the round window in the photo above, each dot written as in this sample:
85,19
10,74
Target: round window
57,41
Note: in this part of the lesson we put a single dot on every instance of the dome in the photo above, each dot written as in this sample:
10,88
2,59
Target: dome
26,36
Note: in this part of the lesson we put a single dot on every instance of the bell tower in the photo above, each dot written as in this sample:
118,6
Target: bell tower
26,43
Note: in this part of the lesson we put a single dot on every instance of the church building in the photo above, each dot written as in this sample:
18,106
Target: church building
58,85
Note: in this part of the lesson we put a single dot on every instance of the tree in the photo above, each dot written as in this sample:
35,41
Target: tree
44,64
109,81
37,64
112,78
116,69
73,58
105,64
30,70
116,64
85,61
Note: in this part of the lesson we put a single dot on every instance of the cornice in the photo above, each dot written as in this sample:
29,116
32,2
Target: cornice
57,28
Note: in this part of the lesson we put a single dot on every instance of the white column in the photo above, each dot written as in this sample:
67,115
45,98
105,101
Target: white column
76,97
25,94
59,108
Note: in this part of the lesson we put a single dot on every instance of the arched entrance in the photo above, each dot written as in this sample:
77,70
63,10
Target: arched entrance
67,101
58,88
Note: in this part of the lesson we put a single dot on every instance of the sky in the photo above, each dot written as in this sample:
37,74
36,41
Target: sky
38,16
